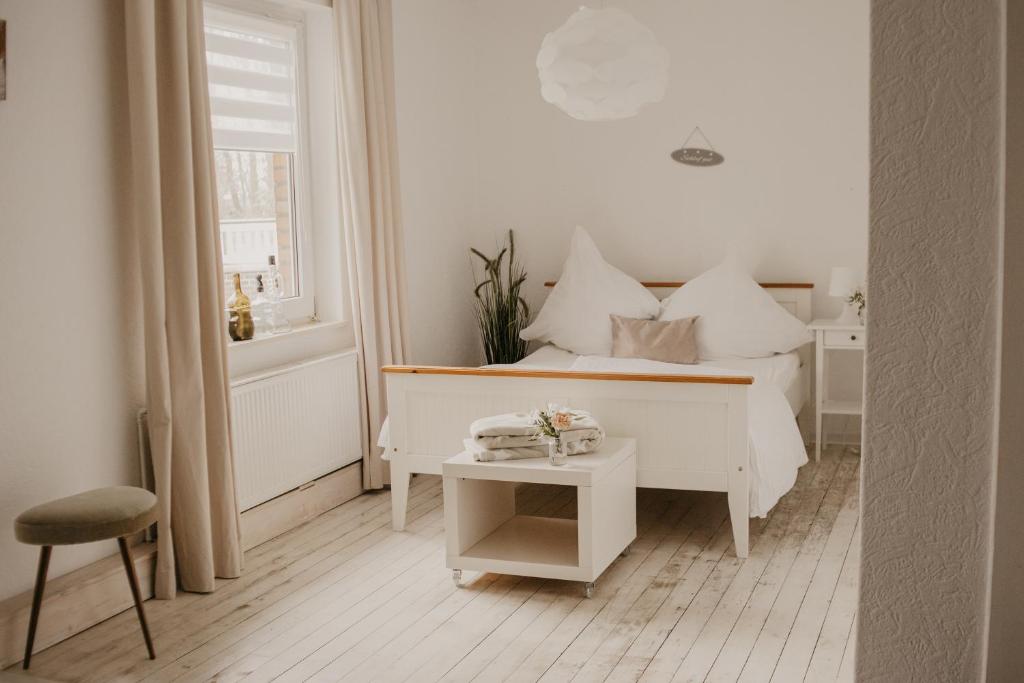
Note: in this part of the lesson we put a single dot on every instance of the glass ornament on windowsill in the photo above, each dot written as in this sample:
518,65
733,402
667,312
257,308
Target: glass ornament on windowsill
261,314
275,320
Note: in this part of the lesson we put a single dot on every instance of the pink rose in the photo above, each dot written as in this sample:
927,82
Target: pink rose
561,421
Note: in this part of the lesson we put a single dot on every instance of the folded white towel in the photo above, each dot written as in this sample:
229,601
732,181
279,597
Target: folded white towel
506,424
481,454
517,430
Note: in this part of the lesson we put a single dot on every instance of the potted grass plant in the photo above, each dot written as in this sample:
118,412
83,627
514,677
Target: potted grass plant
501,311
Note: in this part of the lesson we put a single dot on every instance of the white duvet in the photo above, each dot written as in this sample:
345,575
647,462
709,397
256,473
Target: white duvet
776,447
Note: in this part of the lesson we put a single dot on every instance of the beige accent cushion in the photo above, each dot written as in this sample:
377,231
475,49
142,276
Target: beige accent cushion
91,516
673,341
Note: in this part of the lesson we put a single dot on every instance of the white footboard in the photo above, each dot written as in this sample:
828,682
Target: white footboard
691,431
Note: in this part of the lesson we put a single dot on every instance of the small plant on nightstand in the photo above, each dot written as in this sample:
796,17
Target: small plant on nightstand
858,298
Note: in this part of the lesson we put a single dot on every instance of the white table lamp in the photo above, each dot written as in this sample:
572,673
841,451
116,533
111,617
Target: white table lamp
841,285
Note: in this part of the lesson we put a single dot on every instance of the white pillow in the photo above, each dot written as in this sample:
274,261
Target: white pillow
738,319
577,313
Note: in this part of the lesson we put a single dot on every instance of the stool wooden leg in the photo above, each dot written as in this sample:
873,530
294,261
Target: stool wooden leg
133,580
37,601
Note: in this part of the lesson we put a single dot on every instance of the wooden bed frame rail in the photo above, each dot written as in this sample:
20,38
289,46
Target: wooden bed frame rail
564,374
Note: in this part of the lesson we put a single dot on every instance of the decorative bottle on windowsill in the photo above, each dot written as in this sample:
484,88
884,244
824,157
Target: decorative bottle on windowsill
240,324
261,309
276,321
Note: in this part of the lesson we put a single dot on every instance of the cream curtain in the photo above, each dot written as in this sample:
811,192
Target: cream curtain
370,204
175,217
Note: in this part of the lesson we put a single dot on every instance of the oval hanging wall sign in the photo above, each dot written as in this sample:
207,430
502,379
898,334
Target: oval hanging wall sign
697,154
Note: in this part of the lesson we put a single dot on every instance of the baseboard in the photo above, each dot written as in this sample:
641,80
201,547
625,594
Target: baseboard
74,602
86,596
287,511
848,439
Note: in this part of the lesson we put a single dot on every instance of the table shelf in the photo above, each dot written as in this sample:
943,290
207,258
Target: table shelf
532,540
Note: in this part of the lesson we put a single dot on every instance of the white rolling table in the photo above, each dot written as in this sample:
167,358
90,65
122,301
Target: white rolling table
484,533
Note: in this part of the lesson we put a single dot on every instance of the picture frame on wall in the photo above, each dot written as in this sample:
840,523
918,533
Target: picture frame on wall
3,59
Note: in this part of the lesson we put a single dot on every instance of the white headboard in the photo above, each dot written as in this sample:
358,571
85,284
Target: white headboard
795,297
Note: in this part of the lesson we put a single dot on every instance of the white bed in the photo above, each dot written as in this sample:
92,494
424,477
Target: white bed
692,423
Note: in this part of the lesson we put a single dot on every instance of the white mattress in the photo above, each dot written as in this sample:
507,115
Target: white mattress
548,357
783,369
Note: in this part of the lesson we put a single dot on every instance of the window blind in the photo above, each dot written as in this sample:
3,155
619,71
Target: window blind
251,71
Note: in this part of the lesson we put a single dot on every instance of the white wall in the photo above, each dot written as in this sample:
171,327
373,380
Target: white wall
437,159
936,112
71,379
781,89
1005,655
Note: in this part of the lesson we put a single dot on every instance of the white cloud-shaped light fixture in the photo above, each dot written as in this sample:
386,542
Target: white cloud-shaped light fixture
602,65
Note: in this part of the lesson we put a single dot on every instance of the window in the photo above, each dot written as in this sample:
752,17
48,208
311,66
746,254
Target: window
255,75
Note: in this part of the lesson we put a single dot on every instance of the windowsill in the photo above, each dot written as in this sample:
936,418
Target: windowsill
297,331
306,341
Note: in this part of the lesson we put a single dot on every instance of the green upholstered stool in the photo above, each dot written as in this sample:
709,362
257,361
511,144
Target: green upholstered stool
113,512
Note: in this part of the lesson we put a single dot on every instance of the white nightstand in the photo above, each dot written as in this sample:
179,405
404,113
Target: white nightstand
830,337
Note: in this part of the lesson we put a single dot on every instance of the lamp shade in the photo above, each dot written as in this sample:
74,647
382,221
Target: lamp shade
602,65
843,281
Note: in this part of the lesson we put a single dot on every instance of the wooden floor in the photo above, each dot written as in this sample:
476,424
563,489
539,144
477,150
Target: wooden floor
344,598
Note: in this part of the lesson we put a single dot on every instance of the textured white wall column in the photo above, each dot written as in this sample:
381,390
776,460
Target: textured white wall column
936,108
1005,654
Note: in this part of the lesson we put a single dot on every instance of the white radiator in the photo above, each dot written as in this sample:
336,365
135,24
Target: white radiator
293,425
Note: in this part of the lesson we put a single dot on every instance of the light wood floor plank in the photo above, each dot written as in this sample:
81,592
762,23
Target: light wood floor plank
655,631
627,604
624,633
337,592
551,648
412,633
705,649
831,643
846,669
364,660
800,643
734,653
315,634
680,643
343,598
761,663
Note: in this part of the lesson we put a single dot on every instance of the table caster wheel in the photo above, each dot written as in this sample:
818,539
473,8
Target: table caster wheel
457,577
588,589
625,552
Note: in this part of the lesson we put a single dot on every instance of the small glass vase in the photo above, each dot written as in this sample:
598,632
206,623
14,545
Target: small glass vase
557,452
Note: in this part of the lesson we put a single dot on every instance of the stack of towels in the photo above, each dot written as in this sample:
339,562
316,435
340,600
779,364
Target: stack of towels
514,436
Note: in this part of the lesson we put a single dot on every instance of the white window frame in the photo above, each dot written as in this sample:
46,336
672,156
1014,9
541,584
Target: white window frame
262,17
